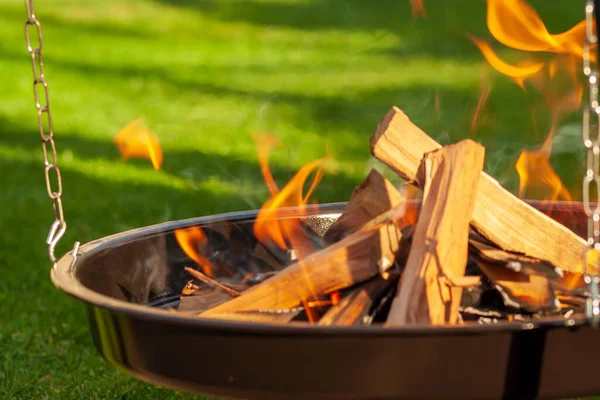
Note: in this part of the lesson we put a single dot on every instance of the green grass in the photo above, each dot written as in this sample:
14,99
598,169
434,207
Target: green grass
204,75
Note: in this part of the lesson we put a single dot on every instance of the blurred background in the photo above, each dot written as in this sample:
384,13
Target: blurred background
205,76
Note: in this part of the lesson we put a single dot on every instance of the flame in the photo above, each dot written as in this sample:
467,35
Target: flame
533,167
411,213
517,72
515,24
265,143
275,224
193,241
418,9
137,141
269,228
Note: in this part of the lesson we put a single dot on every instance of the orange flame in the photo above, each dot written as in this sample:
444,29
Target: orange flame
411,213
265,142
137,141
535,172
515,24
533,167
276,224
271,224
193,242
517,72
269,228
418,9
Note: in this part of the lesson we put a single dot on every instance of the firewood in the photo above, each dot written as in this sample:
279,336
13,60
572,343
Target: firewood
440,242
212,282
514,261
531,293
354,259
202,300
371,198
353,308
498,215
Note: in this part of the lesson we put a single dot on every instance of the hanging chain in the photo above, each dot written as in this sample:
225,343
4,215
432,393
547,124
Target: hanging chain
591,140
42,104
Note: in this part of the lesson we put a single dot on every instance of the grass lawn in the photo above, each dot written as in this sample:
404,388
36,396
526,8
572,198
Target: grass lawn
205,75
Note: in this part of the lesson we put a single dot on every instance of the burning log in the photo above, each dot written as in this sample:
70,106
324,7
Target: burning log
355,307
352,260
372,197
440,242
498,215
531,293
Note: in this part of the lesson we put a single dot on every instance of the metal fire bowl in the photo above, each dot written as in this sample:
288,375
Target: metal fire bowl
553,358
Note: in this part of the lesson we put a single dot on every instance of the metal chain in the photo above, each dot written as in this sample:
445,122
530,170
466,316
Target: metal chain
591,141
42,104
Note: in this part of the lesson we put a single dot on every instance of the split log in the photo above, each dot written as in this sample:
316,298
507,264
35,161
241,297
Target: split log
516,262
356,258
531,293
498,215
372,197
353,308
439,249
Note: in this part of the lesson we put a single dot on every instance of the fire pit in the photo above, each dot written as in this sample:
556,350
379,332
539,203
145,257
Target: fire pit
470,293
130,280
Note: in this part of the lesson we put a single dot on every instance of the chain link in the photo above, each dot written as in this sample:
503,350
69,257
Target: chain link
44,116
591,141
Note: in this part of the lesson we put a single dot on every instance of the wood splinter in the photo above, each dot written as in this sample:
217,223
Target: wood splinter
440,243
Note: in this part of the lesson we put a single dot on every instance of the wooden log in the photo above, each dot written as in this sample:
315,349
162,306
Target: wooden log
439,249
353,308
371,198
498,215
212,282
354,259
202,300
531,293
514,261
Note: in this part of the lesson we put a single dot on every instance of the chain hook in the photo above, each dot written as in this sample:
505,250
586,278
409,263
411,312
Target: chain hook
46,129
57,230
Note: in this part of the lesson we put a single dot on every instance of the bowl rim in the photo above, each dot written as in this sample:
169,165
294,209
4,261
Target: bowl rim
64,277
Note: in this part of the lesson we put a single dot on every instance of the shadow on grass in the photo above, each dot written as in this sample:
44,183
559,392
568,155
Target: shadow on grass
130,203
429,35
